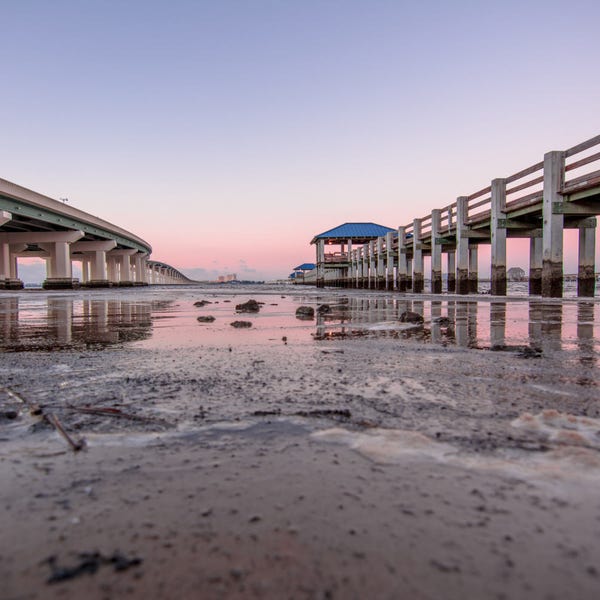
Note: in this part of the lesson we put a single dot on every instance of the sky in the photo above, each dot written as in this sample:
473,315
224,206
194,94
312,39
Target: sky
228,133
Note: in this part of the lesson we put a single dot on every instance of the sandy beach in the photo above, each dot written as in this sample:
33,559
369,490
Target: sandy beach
349,456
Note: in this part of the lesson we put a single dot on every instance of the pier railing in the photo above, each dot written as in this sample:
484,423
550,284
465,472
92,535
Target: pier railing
523,189
561,191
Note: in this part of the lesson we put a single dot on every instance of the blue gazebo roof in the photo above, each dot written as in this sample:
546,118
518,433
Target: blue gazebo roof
357,232
305,267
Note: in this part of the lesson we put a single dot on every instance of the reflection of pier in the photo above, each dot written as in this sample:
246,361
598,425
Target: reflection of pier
63,322
496,325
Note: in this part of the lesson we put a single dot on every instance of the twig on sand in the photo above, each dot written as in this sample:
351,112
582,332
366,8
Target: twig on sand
75,444
36,410
108,412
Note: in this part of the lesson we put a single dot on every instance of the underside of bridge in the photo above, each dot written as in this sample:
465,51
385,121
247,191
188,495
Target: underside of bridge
36,226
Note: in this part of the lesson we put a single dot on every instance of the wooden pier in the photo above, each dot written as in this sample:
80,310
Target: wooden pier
538,203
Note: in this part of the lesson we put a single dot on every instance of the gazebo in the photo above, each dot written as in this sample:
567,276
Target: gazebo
300,271
335,245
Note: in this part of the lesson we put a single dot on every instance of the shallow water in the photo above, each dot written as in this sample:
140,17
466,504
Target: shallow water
166,317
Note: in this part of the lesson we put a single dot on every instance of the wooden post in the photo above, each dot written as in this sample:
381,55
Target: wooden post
552,240
348,279
365,270
436,252
473,269
389,263
586,277
417,257
451,257
402,270
320,263
462,246
380,264
535,266
372,269
498,237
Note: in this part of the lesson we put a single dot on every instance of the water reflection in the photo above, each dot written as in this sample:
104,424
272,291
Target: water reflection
498,325
169,318
62,323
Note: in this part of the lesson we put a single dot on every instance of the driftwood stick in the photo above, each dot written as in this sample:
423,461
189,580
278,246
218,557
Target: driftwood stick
34,409
108,412
75,444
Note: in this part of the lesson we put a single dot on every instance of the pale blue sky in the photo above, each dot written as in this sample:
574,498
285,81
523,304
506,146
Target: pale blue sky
266,122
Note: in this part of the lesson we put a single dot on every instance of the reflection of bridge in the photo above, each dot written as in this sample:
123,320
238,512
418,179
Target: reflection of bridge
537,203
67,322
33,225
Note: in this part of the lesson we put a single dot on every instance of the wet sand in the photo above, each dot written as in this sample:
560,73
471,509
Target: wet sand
389,463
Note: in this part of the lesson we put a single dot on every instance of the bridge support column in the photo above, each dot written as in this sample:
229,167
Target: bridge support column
144,269
402,268
462,246
85,270
436,252
96,259
380,265
535,266
4,252
124,270
136,260
9,277
389,262
122,258
586,276
417,270
552,240
4,264
99,271
111,269
498,237
61,270
451,262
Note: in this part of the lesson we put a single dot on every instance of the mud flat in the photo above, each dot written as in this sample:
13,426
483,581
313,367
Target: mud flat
351,456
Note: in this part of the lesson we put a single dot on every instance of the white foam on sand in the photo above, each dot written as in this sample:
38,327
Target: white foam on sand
560,428
388,446
565,462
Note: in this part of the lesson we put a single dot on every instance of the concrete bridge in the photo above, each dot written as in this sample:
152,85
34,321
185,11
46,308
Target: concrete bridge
33,225
560,192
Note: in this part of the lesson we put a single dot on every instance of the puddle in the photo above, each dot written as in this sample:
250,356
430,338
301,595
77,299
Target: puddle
168,318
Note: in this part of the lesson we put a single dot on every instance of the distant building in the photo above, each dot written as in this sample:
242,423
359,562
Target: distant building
515,274
227,278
